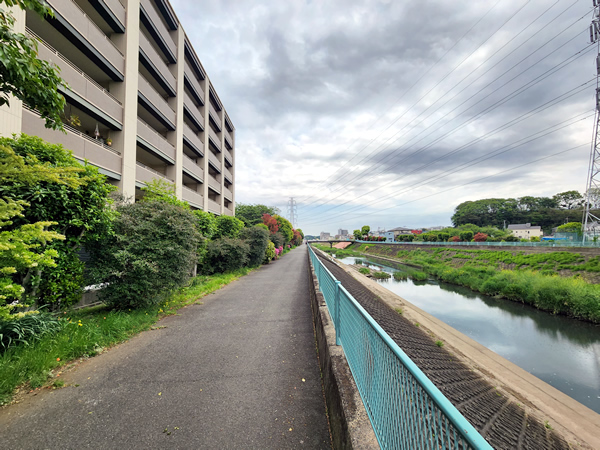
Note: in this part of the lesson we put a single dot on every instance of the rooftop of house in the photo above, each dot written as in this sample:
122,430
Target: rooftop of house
523,226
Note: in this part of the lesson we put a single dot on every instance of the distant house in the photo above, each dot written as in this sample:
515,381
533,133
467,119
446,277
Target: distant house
525,230
388,235
325,236
400,230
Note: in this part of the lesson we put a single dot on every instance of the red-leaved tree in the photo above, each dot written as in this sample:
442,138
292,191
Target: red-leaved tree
480,237
270,222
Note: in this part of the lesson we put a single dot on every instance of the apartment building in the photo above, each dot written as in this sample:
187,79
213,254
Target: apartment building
140,105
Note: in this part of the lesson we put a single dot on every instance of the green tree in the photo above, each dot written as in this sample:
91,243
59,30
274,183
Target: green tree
151,252
252,214
357,234
227,226
163,191
206,223
226,255
257,239
22,74
285,228
364,231
571,227
569,199
75,198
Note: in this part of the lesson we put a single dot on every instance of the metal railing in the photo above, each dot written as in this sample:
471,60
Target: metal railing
406,410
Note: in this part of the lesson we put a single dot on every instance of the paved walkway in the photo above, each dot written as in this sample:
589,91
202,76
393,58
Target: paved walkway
239,371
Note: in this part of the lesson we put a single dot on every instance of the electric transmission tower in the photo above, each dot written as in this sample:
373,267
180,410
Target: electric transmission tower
590,221
292,209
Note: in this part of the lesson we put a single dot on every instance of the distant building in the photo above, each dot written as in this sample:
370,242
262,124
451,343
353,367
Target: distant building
388,235
400,230
342,232
525,230
325,236
438,228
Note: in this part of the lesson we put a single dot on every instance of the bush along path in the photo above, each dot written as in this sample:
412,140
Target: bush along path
527,278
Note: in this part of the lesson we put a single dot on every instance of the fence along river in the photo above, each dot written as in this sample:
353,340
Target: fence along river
562,352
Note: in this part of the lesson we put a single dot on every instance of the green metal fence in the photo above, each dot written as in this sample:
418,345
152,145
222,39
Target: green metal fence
406,410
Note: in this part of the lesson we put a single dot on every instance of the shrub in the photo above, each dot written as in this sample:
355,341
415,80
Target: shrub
511,238
480,237
443,237
226,255
466,236
364,270
269,253
227,226
63,285
205,223
151,252
277,239
257,239
454,239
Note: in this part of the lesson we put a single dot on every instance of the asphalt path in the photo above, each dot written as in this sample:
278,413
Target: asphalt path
238,371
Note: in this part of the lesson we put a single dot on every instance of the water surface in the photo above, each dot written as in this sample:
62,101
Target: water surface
563,352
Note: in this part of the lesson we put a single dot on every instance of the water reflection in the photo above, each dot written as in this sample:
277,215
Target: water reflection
563,352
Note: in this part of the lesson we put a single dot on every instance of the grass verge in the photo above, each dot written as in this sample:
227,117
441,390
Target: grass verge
86,333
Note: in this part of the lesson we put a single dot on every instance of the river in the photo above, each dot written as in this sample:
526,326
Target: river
563,352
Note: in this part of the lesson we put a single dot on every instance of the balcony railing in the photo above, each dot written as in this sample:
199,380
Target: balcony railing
150,135
215,115
192,166
228,140
195,197
187,100
82,145
228,174
214,184
79,20
192,77
193,137
214,207
216,140
155,98
157,60
158,23
146,174
228,194
214,160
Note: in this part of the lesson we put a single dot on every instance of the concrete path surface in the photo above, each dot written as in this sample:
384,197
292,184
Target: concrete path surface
238,371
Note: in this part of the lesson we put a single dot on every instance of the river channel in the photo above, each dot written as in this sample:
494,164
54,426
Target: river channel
563,352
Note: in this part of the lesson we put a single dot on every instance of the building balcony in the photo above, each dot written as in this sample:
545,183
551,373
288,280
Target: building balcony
190,76
76,26
214,207
87,90
83,146
155,103
145,174
113,12
157,66
194,113
151,19
193,169
214,115
227,156
228,194
192,140
212,158
214,184
214,138
154,142
228,211
228,174
228,140
192,197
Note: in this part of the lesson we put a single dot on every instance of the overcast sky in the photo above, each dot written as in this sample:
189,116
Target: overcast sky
390,113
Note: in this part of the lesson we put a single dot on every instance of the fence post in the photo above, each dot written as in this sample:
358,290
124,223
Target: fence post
338,330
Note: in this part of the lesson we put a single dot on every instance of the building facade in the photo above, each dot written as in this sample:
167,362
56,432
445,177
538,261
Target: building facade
140,105
525,230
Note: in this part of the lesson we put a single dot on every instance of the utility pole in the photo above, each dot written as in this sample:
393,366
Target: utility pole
292,209
590,220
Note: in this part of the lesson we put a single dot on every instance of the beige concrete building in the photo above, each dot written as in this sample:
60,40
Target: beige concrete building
525,230
139,103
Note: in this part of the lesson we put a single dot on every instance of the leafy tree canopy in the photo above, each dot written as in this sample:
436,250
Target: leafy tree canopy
253,214
285,228
22,74
227,226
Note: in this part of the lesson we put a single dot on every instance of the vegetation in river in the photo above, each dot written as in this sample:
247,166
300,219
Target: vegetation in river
380,275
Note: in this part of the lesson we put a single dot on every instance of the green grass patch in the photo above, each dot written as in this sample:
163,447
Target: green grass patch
400,275
86,333
364,270
381,275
